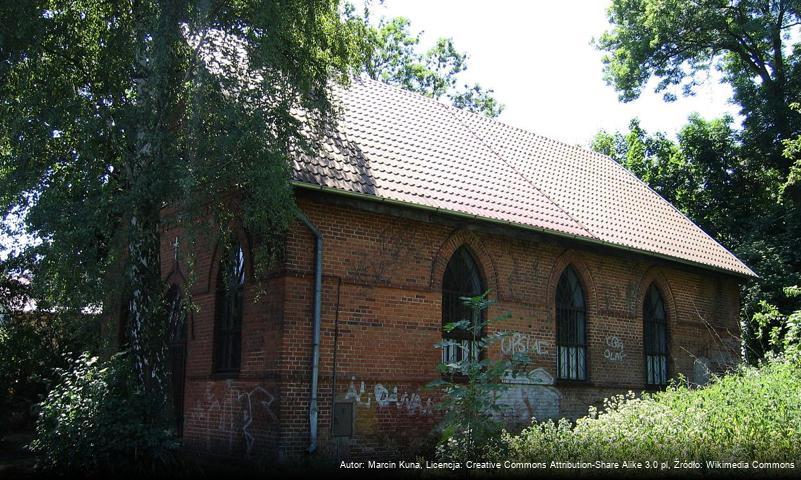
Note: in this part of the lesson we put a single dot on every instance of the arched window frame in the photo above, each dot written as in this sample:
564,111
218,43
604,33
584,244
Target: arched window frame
462,278
176,338
655,338
229,302
174,300
571,327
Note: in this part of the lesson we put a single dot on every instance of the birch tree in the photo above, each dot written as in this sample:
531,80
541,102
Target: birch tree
110,111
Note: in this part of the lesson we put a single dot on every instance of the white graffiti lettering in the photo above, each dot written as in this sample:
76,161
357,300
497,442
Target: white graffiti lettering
531,396
516,342
412,402
222,407
615,351
352,394
383,397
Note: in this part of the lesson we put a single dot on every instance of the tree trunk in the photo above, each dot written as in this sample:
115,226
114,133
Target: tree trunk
145,309
156,84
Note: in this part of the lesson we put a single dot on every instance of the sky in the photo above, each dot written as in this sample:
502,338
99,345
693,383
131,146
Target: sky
538,57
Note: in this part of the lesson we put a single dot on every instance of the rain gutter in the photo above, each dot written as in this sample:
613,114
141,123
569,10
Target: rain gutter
581,238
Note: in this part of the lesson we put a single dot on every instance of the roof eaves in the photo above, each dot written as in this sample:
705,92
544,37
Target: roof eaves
630,173
590,240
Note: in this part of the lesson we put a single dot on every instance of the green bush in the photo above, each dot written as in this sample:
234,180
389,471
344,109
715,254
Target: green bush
30,346
94,420
782,331
751,414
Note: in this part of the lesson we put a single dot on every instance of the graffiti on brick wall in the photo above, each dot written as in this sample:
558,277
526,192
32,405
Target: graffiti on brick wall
528,395
410,402
228,412
614,351
261,398
516,342
355,395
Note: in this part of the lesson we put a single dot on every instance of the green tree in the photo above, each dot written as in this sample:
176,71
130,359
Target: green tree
782,332
676,41
111,110
792,151
396,59
653,158
709,177
741,184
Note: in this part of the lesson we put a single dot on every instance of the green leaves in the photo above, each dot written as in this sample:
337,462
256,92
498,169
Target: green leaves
751,414
110,111
782,332
97,420
792,151
677,42
461,325
394,58
470,425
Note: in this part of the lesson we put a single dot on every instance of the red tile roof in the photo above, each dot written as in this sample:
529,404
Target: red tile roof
394,145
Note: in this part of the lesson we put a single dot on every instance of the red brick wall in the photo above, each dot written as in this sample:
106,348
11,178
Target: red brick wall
381,286
228,415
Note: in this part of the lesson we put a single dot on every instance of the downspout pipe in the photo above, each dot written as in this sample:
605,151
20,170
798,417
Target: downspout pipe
318,287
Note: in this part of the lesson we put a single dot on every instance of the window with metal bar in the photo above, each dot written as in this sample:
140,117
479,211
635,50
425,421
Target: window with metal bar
462,279
655,343
176,335
571,328
228,312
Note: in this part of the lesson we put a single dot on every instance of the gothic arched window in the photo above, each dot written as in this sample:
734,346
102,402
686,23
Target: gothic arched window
571,328
462,279
228,311
655,338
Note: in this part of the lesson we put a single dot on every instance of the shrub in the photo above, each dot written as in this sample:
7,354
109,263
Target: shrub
783,332
94,420
30,346
751,414
470,426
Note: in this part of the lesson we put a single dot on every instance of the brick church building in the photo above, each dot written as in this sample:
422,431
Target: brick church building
410,205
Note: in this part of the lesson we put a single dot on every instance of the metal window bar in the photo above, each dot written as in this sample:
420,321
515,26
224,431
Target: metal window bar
571,328
228,327
461,279
655,344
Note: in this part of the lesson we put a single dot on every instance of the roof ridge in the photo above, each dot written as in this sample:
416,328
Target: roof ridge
598,155
481,139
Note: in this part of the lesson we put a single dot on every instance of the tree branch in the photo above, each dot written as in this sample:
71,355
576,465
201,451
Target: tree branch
776,38
742,50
